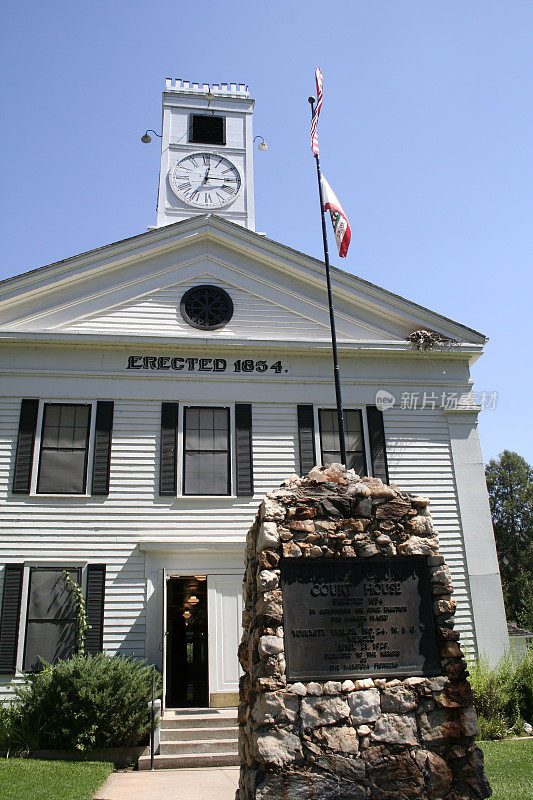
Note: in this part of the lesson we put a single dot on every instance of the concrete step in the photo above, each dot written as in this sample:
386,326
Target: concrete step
199,746
190,761
176,720
191,734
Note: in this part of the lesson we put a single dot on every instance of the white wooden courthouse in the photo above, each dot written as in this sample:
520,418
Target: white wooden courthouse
154,389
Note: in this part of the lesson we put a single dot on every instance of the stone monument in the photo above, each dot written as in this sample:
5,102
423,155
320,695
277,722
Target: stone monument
354,685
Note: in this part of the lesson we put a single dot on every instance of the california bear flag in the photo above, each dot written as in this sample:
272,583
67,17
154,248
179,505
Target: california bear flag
339,220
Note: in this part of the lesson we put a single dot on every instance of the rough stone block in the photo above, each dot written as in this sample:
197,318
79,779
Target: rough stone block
277,747
271,510
364,706
316,711
267,580
270,645
395,729
332,687
268,536
393,510
307,786
341,739
275,707
397,700
415,546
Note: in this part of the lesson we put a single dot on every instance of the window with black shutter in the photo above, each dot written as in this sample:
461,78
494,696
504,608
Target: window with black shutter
354,437
51,621
207,129
63,442
206,451
64,448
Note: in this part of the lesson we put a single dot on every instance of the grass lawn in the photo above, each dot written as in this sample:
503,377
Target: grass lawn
31,779
509,767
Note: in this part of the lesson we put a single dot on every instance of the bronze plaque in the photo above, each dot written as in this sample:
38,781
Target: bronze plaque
346,618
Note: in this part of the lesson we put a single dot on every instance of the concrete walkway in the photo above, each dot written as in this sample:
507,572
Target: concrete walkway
206,783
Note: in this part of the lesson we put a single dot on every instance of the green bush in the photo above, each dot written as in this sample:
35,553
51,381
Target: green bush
492,728
6,728
83,703
503,695
520,683
17,734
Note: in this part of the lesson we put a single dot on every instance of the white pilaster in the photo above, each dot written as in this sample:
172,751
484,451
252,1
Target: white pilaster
480,549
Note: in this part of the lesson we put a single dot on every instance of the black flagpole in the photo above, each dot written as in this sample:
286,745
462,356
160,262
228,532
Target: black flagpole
340,415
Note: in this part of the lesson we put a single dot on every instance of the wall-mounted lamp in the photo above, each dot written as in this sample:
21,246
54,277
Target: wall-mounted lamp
262,144
146,138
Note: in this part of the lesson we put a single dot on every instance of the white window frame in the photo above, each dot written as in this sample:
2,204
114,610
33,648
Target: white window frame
80,564
37,447
366,437
180,459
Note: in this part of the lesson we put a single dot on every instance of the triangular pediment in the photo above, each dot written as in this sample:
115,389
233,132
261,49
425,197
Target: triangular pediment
134,288
258,311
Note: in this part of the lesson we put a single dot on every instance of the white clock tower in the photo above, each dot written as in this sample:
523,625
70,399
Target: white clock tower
206,153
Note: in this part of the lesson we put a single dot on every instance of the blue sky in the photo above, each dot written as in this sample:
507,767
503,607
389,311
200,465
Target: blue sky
426,137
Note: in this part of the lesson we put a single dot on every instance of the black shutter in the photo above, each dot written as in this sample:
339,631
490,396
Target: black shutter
306,437
25,443
378,452
95,608
243,448
102,447
168,469
10,616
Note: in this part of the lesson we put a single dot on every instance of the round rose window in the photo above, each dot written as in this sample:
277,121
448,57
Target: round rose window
206,307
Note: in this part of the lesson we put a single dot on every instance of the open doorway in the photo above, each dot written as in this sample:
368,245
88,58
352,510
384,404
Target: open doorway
187,669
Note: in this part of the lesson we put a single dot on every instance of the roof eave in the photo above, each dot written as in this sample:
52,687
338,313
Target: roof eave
206,225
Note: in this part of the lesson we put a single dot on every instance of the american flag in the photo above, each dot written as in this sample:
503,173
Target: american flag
314,121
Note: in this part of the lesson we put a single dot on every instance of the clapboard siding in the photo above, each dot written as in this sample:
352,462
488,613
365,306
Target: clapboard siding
419,457
107,529
159,313
55,530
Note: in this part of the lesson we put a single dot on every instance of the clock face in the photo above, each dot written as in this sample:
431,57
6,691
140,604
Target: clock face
205,180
